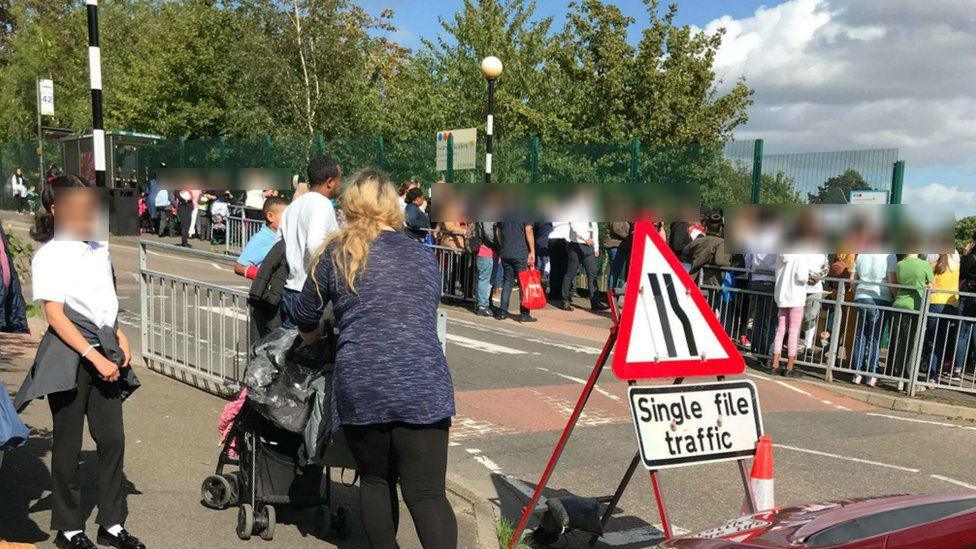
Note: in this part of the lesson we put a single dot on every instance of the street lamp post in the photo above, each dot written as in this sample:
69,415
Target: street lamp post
491,67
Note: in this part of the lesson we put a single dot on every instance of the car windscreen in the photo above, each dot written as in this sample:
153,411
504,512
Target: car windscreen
888,521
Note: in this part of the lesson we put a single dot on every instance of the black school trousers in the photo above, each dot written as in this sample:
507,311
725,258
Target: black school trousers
101,402
416,457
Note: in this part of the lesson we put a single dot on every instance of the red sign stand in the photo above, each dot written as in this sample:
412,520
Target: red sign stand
733,363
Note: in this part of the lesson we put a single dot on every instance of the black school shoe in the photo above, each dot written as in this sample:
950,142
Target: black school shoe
124,540
78,541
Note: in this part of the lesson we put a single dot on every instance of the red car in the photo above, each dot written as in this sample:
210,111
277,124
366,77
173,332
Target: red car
940,521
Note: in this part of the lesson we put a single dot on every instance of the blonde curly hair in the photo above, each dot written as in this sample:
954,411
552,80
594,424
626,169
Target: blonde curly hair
370,203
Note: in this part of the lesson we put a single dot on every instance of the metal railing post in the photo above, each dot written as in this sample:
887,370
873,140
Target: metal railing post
897,181
181,151
379,152
634,158
835,335
143,302
919,338
757,155
450,159
534,160
319,143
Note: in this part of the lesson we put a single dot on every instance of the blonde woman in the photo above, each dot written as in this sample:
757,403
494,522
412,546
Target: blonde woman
393,396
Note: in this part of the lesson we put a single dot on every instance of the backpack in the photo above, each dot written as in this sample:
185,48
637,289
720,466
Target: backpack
486,234
472,239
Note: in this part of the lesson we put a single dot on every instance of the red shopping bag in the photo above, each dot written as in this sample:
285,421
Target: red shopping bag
533,296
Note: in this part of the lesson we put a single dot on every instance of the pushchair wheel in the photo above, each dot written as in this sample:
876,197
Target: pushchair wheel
245,521
339,524
234,480
268,517
216,492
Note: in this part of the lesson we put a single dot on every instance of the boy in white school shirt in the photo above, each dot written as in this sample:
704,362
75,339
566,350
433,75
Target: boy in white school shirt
82,363
305,225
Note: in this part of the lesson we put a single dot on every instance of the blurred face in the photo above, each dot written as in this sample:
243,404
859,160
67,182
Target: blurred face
76,213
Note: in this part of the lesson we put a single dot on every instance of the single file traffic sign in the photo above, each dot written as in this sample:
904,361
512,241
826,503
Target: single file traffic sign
667,329
685,424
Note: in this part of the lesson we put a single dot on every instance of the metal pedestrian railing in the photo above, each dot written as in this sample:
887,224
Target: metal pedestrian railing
192,330
239,230
199,331
931,347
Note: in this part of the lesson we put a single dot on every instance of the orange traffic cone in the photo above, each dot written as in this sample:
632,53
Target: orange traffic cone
761,478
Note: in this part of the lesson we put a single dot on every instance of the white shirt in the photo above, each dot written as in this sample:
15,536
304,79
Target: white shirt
17,187
581,231
560,230
792,273
304,227
79,275
761,262
254,199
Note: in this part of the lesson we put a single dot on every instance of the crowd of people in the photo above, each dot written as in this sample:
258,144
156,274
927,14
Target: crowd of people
365,253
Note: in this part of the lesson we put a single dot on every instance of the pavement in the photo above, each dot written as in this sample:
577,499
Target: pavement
515,387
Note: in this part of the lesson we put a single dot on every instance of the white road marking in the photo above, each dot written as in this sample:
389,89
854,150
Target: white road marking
827,402
226,311
928,422
202,261
583,349
843,408
484,460
482,345
954,481
846,458
790,387
603,392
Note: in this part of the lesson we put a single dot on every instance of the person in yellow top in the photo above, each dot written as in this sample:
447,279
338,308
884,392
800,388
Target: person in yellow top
943,300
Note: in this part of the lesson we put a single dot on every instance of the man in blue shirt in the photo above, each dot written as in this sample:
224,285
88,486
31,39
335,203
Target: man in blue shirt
260,244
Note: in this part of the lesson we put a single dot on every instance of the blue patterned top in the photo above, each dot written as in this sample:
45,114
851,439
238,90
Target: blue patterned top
389,363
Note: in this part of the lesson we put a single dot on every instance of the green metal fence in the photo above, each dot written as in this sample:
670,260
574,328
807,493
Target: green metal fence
737,171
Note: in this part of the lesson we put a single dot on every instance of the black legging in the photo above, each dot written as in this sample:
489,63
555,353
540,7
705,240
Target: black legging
416,456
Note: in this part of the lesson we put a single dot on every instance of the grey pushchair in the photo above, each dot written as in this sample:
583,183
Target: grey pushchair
284,452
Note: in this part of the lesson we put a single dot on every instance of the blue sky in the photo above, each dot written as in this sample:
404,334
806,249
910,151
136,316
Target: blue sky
420,18
828,74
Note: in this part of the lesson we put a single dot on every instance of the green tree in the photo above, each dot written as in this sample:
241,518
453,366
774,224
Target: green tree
837,189
964,231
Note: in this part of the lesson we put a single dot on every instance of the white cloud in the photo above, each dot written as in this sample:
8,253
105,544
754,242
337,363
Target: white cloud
849,74
961,199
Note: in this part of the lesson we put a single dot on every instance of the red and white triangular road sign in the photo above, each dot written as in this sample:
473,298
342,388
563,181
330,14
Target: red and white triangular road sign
667,329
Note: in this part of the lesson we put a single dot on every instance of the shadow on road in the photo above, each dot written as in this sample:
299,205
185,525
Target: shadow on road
622,526
26,484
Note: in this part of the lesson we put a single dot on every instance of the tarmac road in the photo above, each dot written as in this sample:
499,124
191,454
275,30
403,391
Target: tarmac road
516,386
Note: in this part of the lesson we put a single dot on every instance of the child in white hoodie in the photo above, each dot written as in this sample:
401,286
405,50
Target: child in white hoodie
790,294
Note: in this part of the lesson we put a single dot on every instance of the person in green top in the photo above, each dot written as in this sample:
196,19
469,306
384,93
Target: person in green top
911,271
